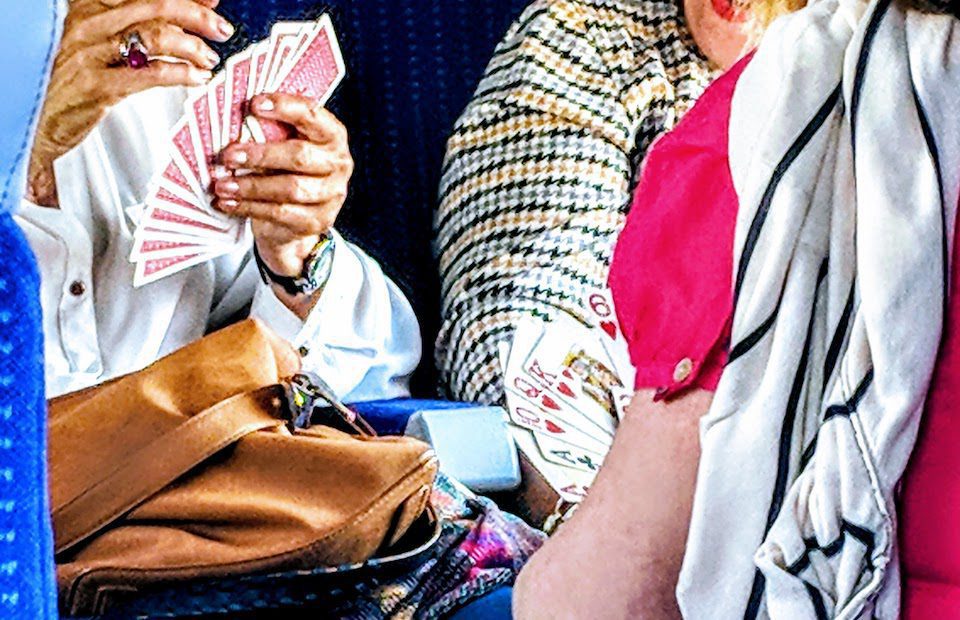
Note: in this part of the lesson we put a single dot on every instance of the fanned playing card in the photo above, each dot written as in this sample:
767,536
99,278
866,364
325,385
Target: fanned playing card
314,70
567,384
179,227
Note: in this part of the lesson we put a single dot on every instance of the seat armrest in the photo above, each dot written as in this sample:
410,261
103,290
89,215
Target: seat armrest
473,445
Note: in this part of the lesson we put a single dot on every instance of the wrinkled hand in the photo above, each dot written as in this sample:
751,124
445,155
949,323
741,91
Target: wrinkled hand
88,76
296,187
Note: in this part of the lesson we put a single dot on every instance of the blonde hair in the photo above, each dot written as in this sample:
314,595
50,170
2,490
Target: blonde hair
761,12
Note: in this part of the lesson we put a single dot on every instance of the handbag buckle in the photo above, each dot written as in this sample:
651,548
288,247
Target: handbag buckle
307,393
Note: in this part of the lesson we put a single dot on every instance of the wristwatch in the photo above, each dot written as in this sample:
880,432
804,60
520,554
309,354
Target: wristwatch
316,269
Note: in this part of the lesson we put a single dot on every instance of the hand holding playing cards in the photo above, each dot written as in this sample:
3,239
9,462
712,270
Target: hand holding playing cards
88,76
295,187
287,162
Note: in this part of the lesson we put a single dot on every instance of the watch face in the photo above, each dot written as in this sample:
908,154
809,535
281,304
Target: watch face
319,264
316,270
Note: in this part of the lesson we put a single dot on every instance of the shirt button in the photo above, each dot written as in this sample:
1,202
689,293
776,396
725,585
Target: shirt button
682,370
77,288
303,351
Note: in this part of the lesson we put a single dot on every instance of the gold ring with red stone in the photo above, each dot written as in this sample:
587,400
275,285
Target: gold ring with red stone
133,51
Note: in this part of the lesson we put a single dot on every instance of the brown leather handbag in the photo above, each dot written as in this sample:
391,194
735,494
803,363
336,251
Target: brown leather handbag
192,469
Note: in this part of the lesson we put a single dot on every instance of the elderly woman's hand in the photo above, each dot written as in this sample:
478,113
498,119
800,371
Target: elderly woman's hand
89,74
297,186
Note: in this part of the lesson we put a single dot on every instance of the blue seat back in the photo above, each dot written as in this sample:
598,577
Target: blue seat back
412,67
28,32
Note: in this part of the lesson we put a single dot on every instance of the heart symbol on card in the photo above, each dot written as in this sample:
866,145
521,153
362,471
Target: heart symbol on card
553,428
610,328
564,389
549,403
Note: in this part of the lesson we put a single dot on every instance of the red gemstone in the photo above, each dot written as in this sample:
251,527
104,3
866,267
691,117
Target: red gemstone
137,58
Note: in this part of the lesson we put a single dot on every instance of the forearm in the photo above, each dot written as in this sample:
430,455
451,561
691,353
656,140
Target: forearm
635,518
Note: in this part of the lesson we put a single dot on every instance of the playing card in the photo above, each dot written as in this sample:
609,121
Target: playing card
161,217
584,360
314,72
235,94
599,307
174,180
304,37
571,484
621,399
285,37
258,59
151,270
585,371
528,415
173,202
153,247
568,455
184,155
216,103
278,43
545,365
317,68
198,121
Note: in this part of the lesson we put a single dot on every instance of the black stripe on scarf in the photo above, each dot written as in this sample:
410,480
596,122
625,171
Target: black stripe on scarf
869,35
935,157
843,325
848,408
753,338
760,217
786,440
845,410
759,582
859,533
816,599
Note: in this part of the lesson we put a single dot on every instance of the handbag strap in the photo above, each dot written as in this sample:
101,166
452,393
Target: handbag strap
105,498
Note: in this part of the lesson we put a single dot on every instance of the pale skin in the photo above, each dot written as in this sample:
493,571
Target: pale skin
619,556
296,187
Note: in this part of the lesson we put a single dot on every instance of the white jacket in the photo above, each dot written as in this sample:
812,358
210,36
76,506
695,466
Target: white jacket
361,337
845,154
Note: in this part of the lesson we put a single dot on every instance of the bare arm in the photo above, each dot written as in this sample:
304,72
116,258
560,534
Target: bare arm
624,546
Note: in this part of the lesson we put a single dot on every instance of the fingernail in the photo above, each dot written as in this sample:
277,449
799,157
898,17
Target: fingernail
227,188
228,204
265,105
236,158
212,59
201,76
225,29
219,172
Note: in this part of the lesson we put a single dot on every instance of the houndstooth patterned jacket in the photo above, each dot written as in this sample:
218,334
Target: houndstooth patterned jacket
538,172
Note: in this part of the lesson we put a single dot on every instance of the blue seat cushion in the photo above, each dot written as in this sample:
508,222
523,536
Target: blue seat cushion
389,417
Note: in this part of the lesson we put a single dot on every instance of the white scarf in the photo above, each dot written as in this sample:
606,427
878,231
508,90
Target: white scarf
845,154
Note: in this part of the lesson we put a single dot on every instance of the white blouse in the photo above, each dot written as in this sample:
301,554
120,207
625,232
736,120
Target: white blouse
361,337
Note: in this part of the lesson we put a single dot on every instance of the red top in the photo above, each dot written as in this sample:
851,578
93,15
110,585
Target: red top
672,282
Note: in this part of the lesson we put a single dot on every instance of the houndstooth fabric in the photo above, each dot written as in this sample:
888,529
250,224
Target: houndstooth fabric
538,172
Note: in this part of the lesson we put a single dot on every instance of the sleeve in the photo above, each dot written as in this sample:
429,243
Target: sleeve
361,337
535,184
